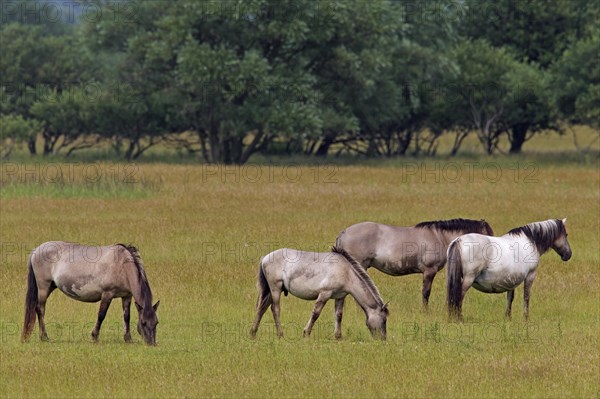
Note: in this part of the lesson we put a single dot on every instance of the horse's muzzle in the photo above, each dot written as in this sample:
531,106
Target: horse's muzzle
566,256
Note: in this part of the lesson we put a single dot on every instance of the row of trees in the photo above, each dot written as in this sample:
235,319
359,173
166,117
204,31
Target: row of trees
227,79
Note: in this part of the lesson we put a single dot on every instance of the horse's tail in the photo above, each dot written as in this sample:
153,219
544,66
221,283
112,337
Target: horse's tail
455,275
31,303
264,292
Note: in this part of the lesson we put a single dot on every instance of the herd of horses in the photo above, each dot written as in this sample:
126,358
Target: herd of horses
474,257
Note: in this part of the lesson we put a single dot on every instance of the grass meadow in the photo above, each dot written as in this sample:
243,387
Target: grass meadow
201,231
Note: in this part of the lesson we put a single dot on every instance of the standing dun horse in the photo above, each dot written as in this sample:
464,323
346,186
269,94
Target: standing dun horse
90,274
398,251
320,276
500,264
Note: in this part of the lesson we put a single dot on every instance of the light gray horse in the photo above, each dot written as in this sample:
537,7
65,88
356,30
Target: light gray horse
500,264
89,274
398,251
320,276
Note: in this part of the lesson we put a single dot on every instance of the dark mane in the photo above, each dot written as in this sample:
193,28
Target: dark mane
362,276
146,292
463,225
542,234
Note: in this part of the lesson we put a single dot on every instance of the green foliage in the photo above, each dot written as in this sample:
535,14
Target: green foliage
15,129
228,79
576,82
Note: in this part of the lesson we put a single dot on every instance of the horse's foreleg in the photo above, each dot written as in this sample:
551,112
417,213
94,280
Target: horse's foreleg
527,286
510,295
126,314
428,276
321,300
104,304
275,296
339,309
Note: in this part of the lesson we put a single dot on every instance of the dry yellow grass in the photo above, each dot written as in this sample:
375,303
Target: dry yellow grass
201,231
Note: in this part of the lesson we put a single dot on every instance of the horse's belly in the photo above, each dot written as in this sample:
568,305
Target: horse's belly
85,288
396,268
494,283
307,294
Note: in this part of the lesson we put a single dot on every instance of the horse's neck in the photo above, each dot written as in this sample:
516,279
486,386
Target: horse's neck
363,295
135,285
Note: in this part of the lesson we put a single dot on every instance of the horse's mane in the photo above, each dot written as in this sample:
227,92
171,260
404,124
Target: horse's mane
362,276
146,292
464,225
542,234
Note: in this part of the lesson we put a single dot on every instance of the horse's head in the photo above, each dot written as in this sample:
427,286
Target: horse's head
561,244
377,320
147,322
486,229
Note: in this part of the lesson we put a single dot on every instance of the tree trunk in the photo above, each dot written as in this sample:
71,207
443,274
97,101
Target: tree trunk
31,145
328,140
517,138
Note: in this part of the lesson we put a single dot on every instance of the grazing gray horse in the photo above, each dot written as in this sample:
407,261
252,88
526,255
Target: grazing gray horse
398,251
89,274
500,264
320,276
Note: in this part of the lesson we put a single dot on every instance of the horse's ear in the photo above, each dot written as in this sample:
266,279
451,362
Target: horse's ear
564,221
155,307
138,307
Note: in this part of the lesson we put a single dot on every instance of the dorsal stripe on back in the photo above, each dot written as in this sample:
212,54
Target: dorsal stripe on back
464,225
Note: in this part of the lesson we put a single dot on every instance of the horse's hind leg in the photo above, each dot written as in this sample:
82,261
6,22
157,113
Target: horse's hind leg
126,314
262,307
321,300
104,304
466,284
339,310
43,294
510,295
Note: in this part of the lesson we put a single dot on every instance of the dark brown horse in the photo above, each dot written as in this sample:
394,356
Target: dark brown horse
398,251
89,274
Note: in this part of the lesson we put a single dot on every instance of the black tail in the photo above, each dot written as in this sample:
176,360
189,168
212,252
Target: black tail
31,302
264,292
454,280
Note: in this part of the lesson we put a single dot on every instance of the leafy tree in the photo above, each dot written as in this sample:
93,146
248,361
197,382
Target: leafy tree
535,31
15,129
576,82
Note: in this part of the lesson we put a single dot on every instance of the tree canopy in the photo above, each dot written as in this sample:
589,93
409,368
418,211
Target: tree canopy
231,78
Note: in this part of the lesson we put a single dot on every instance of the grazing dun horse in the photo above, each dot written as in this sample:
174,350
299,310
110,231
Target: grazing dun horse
320,276
398,251
89,274
500,264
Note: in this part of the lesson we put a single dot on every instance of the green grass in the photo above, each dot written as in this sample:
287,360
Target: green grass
201,232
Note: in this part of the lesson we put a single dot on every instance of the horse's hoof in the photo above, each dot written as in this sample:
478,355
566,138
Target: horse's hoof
94,337
128,339
44,338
